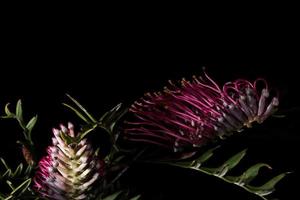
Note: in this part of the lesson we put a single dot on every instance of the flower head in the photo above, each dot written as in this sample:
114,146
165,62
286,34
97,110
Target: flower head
69,170
194,112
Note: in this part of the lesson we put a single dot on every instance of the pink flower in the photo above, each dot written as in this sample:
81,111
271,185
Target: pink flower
194,112
69,170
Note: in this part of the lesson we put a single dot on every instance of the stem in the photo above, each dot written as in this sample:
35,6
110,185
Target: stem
222,178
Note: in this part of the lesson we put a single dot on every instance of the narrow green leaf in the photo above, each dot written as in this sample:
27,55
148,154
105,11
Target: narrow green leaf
204,157
86,131
226,166
268,187
7,173
82,109
31,123
135,198
79,114
18,170
4,163
10,184
113,196
234,160
109,113
7,117
216,171
28,170
9,197
248,175
19,111
21,188
110,118
7,111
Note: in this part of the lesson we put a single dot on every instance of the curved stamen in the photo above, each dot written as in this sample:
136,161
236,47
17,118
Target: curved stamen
197,111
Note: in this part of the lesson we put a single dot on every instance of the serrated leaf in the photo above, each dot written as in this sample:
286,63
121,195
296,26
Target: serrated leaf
248,175
82,108
268,187
242,180
31,123
113,196
227,165
19,111
234,160
21,188
196,163
204,157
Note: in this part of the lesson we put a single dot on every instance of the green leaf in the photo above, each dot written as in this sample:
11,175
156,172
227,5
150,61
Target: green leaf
204,157
79,114
31,123
268,187
4,163
28,169
7,173
9,197
113,196
109,113
18,170
85,131
7,111
248,175
227,165
110,118
82,109
241,181
135,198
9,183
19,111
234,160
21,188
196,163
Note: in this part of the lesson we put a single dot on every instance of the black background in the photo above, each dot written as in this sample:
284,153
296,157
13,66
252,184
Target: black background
104,60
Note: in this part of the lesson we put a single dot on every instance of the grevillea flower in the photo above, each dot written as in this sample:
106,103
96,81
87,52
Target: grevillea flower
69,170
194,112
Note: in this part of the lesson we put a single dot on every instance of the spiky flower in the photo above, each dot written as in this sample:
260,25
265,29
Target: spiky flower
70,168
194,112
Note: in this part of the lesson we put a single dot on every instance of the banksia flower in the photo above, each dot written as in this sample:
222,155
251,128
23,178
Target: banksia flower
70,169
194,112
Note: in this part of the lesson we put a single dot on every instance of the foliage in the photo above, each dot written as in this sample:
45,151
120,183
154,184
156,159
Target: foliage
222,172
117,161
